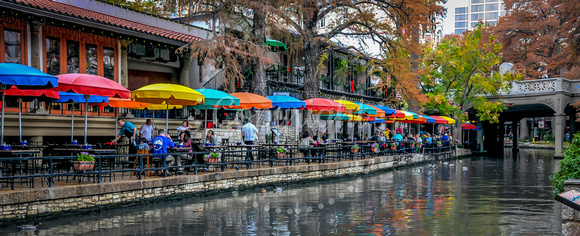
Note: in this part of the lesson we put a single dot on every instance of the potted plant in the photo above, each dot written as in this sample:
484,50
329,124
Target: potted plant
212,157
375,147
412,143
394,146
355,148
85,161
280,152
438,143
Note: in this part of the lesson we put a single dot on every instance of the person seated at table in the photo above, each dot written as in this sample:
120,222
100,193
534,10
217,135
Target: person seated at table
210,138
445,139
387,133
376,137
160,145
183,129
143,145
186,144
397,137
383,137
306,143
429,140
316,137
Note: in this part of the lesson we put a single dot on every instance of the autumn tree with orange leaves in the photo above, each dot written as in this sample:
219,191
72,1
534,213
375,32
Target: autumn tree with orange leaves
541,37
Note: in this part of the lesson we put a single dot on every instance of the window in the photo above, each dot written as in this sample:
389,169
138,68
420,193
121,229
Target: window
109,62
476,1
12,46
52,55
462,24
491,16
323,22
460,17
92,59
459,31
491,0
491,7
460,10
73,64
476,17
477,8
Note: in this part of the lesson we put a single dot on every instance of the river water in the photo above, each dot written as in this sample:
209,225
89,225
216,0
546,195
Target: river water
492,197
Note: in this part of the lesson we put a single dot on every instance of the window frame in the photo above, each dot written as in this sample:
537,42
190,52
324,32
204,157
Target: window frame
15,25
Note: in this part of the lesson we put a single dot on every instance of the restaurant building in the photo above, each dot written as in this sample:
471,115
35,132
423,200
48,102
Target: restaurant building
92,37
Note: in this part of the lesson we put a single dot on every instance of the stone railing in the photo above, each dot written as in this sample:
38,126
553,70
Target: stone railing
549,85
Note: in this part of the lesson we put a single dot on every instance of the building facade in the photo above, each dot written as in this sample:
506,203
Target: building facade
468,15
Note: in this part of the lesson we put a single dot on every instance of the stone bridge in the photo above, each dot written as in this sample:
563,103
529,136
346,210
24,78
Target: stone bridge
539,98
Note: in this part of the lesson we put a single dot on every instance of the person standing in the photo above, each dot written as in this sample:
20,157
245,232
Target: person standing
184,130
160,145
146,130
129,130
250,133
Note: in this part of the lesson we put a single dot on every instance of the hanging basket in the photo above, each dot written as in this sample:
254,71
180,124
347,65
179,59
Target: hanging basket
83,165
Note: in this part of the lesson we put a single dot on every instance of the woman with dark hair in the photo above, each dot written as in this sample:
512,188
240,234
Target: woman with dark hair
183,130
306,143
210,138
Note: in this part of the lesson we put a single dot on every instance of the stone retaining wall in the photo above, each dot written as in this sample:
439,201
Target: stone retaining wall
51,202
570,217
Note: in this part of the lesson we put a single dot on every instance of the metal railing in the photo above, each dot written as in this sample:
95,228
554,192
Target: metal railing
52,169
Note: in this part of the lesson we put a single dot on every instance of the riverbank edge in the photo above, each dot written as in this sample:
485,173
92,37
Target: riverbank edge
58,201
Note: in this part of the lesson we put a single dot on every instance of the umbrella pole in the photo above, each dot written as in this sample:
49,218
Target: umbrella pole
20,118
3,106
72,127
205,126
116,117
86,115
167,118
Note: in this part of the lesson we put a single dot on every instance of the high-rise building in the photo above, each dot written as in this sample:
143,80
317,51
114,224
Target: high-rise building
467,16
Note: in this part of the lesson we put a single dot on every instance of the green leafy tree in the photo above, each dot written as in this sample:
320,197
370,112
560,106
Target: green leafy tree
569,166
462,70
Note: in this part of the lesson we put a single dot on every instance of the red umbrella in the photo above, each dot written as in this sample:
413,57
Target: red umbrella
324,105
439,120
91,85
466,126
398,114
29,95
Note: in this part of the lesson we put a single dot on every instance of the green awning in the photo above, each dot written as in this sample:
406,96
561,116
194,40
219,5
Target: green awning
275,43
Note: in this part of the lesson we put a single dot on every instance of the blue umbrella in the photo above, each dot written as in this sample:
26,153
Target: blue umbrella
66,97
388,111
23,77
377,120
285,102
429,119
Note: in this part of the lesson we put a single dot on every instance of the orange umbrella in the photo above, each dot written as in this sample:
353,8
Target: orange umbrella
380,113
126,103
250,101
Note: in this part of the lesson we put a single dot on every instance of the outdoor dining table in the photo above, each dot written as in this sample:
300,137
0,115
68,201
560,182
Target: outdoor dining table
15,153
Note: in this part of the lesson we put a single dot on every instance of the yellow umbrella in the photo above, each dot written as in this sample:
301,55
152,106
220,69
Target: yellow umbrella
355,118
349,105
450,120
168,94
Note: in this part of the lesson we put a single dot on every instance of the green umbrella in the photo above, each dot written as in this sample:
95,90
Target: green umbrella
275,43
215,98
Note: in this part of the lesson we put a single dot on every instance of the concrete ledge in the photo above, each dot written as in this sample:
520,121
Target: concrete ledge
48,202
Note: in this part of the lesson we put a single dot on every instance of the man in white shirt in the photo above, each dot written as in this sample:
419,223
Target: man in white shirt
146,130
250,134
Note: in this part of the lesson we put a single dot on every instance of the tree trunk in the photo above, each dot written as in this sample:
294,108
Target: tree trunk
258,85
311,84
524,133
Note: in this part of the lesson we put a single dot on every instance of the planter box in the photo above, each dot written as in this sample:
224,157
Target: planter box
83,165
393,147
438,145
374,149
354,150
212,160
280,155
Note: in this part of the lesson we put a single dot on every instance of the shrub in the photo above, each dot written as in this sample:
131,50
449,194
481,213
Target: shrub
569,166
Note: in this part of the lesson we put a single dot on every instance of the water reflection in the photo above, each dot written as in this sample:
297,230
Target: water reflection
492,196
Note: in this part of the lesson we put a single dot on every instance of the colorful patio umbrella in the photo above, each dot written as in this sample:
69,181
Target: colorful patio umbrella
91,85
215,98
365,109
380,113
397,115
168,94
350,106
250,101
429,119
337,116
66,97
388,111
449,120
285,102
23,77
466,126
27,95
439,120
324,105
377,120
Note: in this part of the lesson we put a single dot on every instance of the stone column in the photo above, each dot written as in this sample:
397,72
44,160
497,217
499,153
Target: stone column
558,127
124,80
515,129
36,44
184,73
